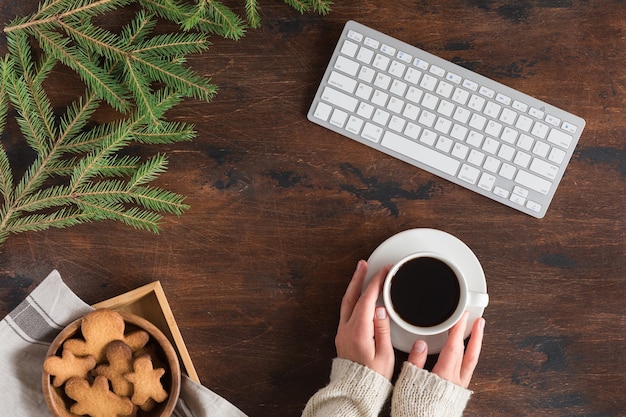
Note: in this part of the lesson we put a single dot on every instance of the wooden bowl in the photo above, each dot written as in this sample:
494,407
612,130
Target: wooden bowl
59,403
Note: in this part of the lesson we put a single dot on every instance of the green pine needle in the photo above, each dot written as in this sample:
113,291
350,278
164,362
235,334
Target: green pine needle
82,171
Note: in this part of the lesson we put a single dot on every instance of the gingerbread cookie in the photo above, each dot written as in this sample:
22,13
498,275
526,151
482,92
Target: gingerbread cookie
146,381
120,361
68,366
99,328
96,400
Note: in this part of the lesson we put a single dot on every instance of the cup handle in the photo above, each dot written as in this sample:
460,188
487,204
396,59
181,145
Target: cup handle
477,299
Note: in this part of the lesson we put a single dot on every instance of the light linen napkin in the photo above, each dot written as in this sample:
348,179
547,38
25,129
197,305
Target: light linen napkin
26,334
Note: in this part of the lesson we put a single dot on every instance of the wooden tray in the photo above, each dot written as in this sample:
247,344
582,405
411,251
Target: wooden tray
150,303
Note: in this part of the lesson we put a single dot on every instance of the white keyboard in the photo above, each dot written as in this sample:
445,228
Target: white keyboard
445,119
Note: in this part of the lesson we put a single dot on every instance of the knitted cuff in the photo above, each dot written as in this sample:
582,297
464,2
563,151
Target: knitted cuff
365,387
421,393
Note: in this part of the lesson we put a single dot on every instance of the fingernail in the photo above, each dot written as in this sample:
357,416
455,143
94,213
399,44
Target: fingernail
359,265
419,346
381,313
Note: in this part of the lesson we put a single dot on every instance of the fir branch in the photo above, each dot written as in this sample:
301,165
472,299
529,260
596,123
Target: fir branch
78,174
95,77
64,217
252,13
134,217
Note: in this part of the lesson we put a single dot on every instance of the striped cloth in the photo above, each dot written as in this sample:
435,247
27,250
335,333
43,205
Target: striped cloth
25,335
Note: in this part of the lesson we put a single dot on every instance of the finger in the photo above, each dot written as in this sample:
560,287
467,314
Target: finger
451,355
418,354
371,293
382,330
383,349
353,292
472,352
364,308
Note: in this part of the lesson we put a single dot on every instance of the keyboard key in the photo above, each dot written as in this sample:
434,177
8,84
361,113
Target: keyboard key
352,34
459,150
412,130
487,181
340,99
559,138
367,74
389,50
365,110
428,82
372,43
342,82
322,111
522,159
346,65
528,180
411,111
454,78
569,127
534,206
421,64
507,171
428,137
349,48
395,105
544,168
420,153
396,123
540,130
412,75
380,117
372,132
557,156
487,92
381,62
414,94
501,98
338,118
404,57
364,91
541,149
365,55
491,164
534,112
438,71
354,125
470,85
469,174
397,69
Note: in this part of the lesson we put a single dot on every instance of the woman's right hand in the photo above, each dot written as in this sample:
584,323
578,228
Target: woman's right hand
455,363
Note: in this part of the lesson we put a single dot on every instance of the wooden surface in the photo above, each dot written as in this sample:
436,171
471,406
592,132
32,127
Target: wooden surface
282,210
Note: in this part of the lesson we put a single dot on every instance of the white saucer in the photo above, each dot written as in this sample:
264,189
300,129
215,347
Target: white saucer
419,240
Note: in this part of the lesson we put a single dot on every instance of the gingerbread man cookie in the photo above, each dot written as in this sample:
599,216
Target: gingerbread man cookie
99,328
146,381
68,366
120,362
96,400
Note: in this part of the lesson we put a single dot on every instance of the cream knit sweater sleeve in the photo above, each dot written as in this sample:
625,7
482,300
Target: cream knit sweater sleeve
354,391
357,391
419,393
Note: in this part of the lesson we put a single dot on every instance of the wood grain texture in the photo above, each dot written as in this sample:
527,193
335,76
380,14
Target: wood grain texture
282,210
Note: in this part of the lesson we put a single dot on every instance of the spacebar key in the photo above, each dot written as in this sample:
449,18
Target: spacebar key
420,153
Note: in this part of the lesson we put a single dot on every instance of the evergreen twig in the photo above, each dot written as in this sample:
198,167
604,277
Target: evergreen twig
78,174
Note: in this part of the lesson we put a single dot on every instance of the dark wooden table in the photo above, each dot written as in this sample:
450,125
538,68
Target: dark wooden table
281,210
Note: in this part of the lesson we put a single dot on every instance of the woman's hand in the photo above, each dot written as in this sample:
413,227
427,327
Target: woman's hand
455,364
363,335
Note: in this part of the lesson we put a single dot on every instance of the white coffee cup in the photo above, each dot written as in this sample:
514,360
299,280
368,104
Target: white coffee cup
426,293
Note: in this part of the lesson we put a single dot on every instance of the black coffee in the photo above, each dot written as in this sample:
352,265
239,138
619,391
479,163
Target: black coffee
425,292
